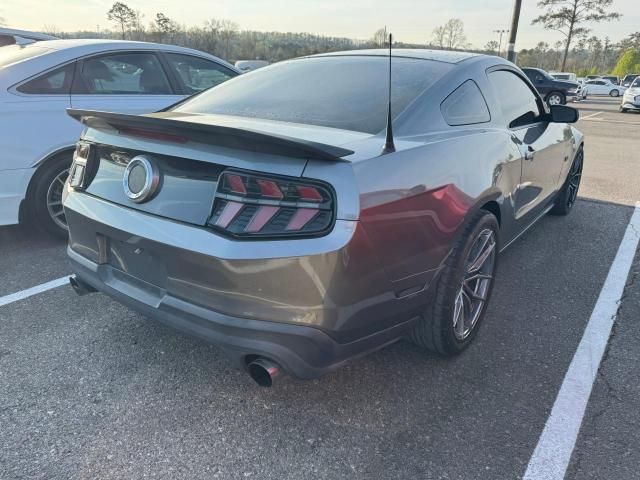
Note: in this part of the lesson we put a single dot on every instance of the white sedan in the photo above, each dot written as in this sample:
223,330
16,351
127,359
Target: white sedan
601,86
631,98
38,82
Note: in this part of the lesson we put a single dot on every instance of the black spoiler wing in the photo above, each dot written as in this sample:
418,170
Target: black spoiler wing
242,139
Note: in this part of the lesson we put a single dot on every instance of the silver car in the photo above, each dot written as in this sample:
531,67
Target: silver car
299,216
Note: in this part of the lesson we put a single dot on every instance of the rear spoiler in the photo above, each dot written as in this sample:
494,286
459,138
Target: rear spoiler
238,138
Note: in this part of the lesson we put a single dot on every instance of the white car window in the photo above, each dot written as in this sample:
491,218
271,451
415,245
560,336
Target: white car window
55,82
124,73
198,74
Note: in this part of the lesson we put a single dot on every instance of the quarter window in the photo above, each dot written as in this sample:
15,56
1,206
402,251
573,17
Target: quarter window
55,82
197,74
518,103
465,106
124,73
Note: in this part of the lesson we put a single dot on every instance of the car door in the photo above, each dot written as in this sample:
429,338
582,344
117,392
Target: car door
195,74
596,87
542,144
124,81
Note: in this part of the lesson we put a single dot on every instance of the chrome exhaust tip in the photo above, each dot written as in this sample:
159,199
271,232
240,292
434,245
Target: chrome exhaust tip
264,372
80,287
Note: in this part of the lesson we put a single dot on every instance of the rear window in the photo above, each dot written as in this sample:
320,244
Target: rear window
10,54
346,92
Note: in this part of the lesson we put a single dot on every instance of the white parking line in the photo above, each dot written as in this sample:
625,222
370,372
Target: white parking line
551,456
592,115
14,297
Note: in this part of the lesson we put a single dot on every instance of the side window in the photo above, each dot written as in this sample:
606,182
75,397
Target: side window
518,103
465,106
55,82
124,74
197,74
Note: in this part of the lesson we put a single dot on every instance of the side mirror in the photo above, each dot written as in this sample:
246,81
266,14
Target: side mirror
563,114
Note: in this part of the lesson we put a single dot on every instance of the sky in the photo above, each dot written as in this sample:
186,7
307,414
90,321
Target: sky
410,21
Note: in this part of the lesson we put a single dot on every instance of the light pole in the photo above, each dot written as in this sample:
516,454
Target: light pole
501,32
511,48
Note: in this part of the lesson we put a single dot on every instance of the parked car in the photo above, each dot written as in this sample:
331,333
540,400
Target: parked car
38,82
592,77
278,216
564,76
603,87
628,79
248,65
12,36
631,98
612,78
554,92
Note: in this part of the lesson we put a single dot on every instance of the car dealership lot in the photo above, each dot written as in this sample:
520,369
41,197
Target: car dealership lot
89,389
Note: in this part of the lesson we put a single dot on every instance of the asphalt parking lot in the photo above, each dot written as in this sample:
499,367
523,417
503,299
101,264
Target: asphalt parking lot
90,389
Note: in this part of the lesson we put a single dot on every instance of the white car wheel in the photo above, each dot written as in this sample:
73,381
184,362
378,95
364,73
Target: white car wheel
614,93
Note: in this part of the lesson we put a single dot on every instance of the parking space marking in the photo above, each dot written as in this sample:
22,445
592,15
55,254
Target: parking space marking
592,115
552,454
43,287
606,120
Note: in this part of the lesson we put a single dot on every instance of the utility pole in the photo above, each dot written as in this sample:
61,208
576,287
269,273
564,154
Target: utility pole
501,32
511,48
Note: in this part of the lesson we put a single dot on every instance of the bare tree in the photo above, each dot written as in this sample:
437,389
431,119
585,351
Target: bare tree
3,21
380,37
450,35
569,16
491,47
164,27
228,30
123,15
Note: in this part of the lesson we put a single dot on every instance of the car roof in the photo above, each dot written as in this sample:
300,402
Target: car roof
446,56
97,44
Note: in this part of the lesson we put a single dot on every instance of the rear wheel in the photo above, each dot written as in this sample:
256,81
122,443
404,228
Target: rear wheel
623,110
614,93
46,200
556,98
452,319
567,196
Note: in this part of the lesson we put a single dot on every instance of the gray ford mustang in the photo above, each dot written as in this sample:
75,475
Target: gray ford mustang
299,216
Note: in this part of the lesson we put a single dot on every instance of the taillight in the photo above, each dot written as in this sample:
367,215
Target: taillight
253,205
84,166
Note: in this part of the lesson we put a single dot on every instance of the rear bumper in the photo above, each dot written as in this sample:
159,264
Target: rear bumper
308,305
303,352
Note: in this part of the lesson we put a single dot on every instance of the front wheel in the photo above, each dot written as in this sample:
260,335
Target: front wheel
556,98
452,319
567,196
46,200
614,93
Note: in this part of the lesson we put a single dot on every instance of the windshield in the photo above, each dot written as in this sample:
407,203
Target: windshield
16,53
346,92
636,83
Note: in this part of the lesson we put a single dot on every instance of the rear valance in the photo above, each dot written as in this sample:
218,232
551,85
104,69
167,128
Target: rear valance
241,139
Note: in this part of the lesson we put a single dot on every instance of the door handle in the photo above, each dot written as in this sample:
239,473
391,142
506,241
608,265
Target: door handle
529,153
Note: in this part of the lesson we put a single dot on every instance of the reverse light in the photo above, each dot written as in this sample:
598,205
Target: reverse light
81,171
249,205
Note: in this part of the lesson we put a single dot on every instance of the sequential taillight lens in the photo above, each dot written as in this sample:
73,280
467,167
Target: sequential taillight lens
251,205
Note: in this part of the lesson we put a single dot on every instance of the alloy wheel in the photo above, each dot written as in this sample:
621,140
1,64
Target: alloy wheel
54,199
554,100
476,284
614,93
575,175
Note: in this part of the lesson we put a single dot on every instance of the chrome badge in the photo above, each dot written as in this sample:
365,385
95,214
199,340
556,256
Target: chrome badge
141,179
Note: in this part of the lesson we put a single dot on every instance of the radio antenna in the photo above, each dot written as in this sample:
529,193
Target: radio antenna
389,146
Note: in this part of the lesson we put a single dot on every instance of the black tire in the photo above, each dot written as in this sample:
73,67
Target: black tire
623,110
561,96
435,330
614,93
566,197
39,212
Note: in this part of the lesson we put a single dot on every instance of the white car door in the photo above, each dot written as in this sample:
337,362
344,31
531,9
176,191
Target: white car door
598,87
125,82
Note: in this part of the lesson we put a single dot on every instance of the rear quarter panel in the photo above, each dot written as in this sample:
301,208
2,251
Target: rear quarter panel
415,202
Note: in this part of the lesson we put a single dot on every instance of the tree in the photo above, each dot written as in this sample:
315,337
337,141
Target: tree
2,22
629,62
228,30
450,35
569,16
491,47
380,37
164,26
123,15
